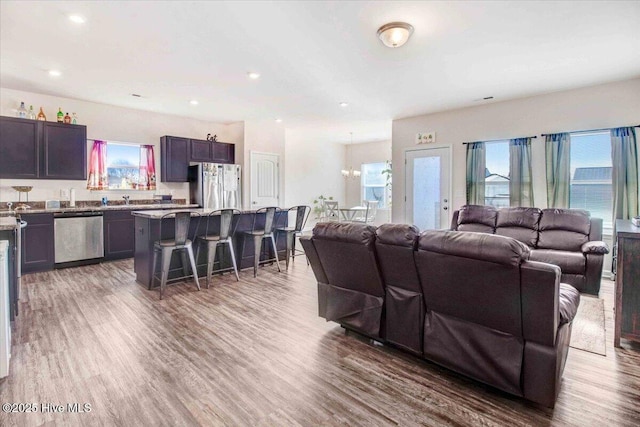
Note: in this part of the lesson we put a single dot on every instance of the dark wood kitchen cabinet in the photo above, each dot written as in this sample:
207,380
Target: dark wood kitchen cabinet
174,159
176,153
119,237
38,243
64,151
42,150
19,145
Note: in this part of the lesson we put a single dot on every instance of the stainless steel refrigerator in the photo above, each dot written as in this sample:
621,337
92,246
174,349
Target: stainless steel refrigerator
215,185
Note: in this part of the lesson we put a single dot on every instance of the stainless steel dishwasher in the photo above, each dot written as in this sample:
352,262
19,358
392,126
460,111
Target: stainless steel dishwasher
78,237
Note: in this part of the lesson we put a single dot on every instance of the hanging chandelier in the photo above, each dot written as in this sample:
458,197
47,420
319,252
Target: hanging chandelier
350,173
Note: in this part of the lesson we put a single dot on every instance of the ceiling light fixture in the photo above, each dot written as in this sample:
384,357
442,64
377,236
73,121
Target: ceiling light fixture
253,75
193,102
278,120
344,104
395,34
350,173
78,19
55,73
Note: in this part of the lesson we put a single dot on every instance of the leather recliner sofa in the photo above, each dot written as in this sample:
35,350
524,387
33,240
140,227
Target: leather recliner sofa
568,238
471,302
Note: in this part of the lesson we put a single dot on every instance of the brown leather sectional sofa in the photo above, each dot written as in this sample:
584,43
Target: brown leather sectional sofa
472,302
568,238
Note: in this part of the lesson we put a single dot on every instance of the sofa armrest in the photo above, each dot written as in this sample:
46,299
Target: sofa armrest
540,293
595,247
569,302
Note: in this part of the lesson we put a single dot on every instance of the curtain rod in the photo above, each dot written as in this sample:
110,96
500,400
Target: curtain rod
501,139
588,130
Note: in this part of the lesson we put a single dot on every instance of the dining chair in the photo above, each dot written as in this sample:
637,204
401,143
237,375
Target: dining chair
224,237
368,216
180,242
301,216
332,212
260,233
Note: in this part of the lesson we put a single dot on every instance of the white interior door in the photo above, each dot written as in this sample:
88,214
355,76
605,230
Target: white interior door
428,187
264,179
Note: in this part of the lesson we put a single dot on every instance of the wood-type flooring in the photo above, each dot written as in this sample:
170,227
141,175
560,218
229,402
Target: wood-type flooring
254,352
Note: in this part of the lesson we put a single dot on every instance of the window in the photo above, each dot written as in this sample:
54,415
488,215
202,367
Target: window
591,166
497,174
374,183
123,166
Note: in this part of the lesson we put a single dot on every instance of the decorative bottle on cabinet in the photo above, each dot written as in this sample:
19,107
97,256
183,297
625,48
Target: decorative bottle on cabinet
32,114
67,119
41,116
22,111
74,119
60,115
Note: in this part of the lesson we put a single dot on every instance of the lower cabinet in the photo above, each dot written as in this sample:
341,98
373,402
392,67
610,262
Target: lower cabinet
119,239
37,243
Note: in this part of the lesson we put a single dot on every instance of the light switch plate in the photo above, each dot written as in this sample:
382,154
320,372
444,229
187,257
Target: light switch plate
64,194
425,137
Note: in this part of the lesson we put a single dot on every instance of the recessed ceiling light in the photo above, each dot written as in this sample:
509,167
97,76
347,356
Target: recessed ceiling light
78,19
253,75
55,73
344,104
278,120
193,102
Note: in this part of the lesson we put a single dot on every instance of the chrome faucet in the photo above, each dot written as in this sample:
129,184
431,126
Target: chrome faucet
126,199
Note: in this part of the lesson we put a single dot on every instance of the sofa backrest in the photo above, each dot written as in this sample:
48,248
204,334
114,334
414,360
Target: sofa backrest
395,245
476,218
471,287
404,305
520,224
472,276
347,253
564,229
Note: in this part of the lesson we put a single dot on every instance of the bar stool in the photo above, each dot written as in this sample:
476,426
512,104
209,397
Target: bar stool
181,243
223,237
302,213
260,234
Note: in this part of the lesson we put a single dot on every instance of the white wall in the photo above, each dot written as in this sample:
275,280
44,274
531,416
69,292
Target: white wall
112,124
602,106
357,155
313,169
263,136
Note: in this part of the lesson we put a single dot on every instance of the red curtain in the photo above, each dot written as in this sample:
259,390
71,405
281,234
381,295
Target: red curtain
98,178
147,180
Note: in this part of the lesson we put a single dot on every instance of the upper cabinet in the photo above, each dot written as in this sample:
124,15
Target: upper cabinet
42,150
176,153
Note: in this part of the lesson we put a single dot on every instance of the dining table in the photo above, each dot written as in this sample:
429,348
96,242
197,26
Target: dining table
351,214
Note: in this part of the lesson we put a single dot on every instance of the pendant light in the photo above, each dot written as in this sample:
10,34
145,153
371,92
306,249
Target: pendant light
350,173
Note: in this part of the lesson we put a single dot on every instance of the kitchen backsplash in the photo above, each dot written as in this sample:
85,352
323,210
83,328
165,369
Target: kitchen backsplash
90,203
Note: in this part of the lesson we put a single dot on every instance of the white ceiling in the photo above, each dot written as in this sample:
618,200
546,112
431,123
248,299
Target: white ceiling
312,55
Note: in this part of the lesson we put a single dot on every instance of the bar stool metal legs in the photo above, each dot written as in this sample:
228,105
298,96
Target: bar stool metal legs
165,253
257,249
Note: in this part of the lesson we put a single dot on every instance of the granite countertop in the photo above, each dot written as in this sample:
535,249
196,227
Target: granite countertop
157,214
8,223
156,207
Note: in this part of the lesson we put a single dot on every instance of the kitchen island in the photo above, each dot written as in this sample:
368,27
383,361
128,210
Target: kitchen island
148,226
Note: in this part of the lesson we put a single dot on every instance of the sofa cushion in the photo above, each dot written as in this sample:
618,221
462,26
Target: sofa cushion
345,232
481,246
569,302
477,218
569,262
398,235
520,224
564,229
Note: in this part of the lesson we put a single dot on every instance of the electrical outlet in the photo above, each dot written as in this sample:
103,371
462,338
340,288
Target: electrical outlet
64,194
